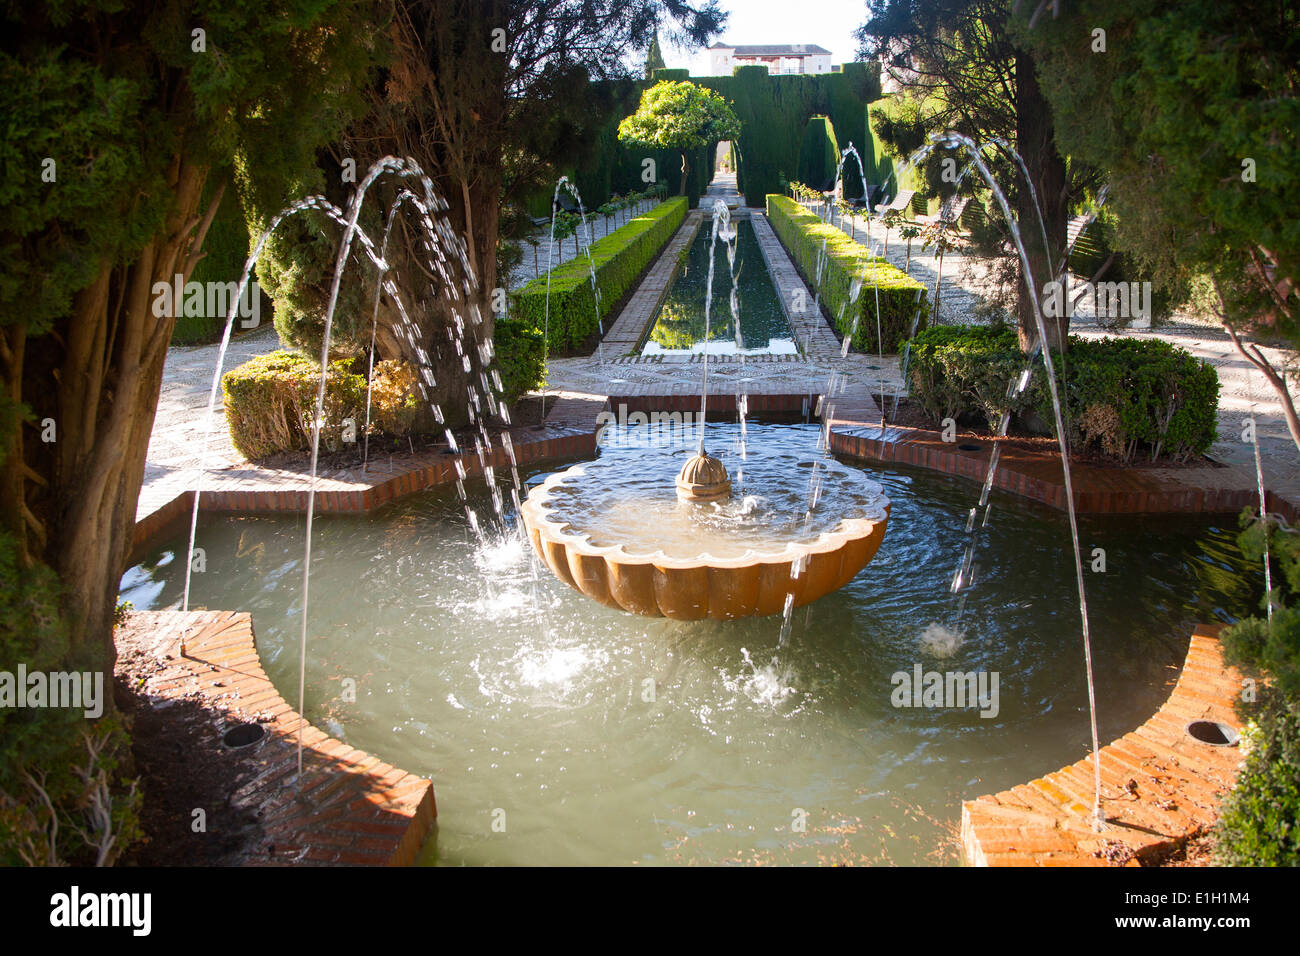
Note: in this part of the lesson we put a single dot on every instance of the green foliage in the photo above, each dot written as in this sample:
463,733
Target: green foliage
112,115
960,370
270,402
521,358
679,115
819,153
654,58
848,266
225,249
44,746
1217,86
1120,395
676,75
618,259
1259,822
682,116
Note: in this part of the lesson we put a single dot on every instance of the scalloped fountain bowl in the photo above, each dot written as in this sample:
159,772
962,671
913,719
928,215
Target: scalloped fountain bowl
616,530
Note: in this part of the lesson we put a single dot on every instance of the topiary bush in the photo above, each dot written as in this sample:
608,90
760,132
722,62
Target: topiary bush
848,265
1121,395
521,359
270,402
618,260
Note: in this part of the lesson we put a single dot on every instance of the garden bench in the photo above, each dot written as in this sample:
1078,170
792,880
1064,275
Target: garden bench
949,213
897,204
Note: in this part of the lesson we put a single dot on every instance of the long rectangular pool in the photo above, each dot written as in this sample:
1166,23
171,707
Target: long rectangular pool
679,327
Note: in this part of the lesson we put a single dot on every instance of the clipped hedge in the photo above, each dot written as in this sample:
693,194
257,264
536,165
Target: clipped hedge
847,264
618,260
1122,395
521,358
270,401
960,370
819,153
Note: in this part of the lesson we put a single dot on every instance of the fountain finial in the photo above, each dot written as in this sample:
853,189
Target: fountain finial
703,478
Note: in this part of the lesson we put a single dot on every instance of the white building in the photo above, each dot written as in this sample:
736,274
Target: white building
779,58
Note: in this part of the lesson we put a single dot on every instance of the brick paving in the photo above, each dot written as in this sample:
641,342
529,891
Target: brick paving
1159,785
348,808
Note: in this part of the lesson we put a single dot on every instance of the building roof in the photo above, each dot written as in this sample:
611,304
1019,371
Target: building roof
780,49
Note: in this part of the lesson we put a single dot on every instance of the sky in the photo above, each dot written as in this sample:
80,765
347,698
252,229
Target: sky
827,23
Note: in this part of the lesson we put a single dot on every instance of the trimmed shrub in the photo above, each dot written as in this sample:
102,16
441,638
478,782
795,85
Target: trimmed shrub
394,398
847,264
521,359
270,402
1120,395
1260,821
618,260
819,153
964,370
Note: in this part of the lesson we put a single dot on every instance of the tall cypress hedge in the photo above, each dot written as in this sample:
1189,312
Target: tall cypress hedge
773,112
819,153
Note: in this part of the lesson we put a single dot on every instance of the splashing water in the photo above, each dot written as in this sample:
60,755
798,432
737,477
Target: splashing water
940,641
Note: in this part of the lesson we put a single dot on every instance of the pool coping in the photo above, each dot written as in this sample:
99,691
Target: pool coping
1159,786
628,331
347,808
1039,476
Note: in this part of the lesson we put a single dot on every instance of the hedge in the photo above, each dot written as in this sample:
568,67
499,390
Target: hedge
520,358
1121,395
618,260
819,153
225,249
848,263
270,401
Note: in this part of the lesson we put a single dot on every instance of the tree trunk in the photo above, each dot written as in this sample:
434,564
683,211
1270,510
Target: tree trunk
92,384
1036,143
685,170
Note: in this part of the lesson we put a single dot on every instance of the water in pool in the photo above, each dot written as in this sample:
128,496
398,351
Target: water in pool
679,326
599,737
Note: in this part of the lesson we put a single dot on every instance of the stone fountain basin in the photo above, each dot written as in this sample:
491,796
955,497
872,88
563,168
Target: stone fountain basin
690,589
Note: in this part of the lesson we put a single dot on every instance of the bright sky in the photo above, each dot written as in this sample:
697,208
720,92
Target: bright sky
827,23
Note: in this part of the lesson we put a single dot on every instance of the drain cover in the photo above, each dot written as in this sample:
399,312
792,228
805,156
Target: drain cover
242,735
1212,732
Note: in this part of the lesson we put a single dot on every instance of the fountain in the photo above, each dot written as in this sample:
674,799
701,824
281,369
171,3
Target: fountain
625,535
473,665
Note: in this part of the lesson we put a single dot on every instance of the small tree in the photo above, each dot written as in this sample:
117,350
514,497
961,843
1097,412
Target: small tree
680,116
